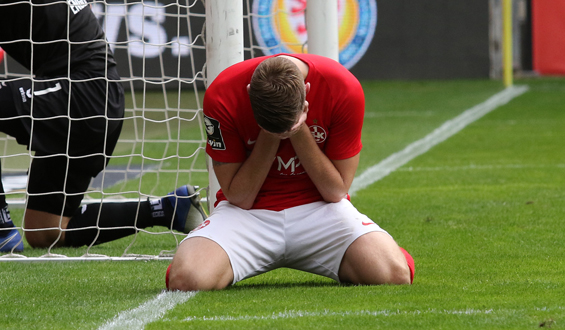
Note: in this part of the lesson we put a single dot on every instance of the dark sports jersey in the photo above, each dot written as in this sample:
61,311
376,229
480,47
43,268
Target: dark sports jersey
39,33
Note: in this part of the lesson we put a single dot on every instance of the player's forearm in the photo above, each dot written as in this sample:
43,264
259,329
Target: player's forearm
328,180
248,180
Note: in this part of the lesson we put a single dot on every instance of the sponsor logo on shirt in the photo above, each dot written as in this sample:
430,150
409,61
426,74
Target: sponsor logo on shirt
27,94
23,94
289,167
215,139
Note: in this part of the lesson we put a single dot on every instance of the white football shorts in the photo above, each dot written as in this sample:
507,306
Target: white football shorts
311,237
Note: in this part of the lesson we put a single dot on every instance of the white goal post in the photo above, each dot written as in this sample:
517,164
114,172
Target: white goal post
224,47
167,52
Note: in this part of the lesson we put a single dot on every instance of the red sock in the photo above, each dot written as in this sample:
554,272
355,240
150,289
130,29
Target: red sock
167,277
410,262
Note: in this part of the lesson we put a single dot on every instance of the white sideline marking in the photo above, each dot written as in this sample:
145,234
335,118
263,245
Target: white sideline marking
480,167
155,309
297,314
448,129
415,113
152,310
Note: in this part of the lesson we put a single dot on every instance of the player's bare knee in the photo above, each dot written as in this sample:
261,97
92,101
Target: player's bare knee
184,278
36,232
399,273
393,271
177,281
40,239
33,239
377,272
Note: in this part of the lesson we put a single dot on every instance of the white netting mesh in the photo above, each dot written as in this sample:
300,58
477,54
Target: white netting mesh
160,52
161,60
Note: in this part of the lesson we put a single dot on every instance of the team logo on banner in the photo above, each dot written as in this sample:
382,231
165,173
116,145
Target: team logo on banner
280,27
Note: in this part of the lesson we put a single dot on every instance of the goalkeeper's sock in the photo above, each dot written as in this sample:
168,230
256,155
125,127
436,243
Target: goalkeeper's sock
104,222
10,238
5,221
5,218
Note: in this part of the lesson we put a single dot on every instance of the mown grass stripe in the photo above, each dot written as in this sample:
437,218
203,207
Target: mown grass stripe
448,129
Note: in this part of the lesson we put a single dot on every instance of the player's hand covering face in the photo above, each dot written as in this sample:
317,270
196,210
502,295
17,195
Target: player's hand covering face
296,127
300,120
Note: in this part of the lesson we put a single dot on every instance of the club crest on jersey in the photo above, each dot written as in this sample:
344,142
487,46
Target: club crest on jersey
280,27
319,133
215,139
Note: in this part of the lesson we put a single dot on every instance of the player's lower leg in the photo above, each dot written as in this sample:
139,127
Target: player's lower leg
181,211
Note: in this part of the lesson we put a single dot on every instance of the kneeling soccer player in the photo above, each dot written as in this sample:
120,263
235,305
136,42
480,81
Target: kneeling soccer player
284,134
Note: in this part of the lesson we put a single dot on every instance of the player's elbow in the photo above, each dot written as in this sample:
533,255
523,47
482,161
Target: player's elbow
245,206
332,200
334,197
239,202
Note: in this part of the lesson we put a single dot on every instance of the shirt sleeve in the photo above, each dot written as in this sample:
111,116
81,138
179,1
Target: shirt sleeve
346,121
223,141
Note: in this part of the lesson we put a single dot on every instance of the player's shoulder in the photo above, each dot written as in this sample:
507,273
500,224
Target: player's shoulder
239,71
230,85
322,63
329,70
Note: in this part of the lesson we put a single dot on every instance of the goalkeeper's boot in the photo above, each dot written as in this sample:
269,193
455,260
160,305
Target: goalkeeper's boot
188,212
11,240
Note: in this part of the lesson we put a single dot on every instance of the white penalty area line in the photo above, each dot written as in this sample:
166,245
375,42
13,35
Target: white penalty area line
448,129
150,311
292,314
300,314
156,308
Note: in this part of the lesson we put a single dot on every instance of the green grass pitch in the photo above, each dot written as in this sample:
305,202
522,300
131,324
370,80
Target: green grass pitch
482,214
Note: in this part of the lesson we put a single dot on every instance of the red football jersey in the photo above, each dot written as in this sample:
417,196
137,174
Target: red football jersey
335,118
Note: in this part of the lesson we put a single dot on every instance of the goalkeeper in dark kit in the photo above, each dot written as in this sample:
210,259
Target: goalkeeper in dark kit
68,111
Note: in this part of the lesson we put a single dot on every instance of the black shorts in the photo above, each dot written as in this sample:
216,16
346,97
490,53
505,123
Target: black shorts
72,126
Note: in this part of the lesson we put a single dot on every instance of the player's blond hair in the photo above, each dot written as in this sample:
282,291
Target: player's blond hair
277,94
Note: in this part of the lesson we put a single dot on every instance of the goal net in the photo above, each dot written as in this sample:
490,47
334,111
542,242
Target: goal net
167,52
